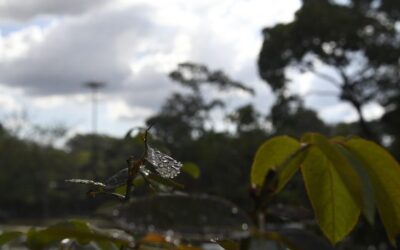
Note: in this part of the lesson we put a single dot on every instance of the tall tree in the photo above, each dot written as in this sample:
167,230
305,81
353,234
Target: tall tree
184,116
194,75
391,123
289,116
358,41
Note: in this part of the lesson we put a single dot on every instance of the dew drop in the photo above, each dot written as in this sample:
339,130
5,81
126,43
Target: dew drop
65,241
169,236
235,210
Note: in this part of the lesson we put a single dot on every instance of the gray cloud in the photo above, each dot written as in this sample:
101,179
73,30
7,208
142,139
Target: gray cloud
80,50
103,45
23,10
148,89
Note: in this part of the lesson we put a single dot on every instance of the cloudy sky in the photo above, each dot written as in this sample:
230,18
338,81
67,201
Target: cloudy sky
49,48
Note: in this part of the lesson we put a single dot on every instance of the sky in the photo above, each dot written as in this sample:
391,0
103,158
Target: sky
49,49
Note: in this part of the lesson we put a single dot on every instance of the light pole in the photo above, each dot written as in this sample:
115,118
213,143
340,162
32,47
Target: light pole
94,87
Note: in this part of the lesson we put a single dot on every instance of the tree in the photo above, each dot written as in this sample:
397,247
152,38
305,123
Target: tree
184,116
391,124
193,75
358,42
289,116
245,118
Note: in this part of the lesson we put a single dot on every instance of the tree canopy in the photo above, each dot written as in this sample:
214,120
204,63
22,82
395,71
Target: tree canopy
358,42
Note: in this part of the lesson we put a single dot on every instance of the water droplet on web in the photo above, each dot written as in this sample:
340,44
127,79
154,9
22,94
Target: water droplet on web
65,241
144,170
245,226
169,235
235,210
165,165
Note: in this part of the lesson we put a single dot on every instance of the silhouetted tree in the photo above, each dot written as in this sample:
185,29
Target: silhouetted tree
245,118
289,116
193,75
359,42
391,124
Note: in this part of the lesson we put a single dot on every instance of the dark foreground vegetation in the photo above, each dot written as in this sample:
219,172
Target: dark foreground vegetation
32,174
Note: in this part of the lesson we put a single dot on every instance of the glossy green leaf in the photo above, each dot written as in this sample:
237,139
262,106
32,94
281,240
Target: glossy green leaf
7,237
270,155
121,190
335,209
346,172
290,166
384,173
368,207
192,169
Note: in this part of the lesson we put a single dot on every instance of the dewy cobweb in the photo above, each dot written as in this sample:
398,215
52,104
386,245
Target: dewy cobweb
165,165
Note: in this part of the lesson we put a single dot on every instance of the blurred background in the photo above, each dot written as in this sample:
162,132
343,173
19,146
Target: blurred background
217,78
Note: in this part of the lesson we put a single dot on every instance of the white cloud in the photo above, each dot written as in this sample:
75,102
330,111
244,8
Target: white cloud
341,112
373,111
9,104
17,44
131,45
50,102
120,110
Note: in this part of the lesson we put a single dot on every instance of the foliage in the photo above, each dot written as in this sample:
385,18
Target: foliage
354,47
336,174
342,176
193,75
289,116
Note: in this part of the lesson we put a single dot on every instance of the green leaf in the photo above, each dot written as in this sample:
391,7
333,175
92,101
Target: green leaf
346,172
335,209
6,237
121,190
192,169
286,171
270,155
384,173
368,207
138,181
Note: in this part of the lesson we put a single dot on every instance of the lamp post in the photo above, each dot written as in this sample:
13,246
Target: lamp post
94,87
